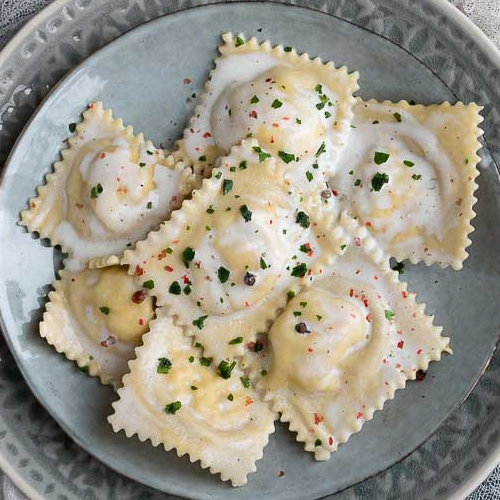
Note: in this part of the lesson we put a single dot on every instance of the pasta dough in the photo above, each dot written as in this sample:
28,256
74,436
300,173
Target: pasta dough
173,398
408,173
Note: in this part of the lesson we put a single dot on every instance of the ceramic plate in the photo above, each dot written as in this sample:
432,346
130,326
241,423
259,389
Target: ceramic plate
151,62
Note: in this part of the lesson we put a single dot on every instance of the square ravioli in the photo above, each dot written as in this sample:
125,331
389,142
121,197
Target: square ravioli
298,108
223,263
97,317
408,172
109,190
172,397
343,345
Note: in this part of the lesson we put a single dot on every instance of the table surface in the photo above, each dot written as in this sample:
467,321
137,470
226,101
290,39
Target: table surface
485,13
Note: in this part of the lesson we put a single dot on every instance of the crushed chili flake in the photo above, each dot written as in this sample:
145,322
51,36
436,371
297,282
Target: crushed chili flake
401,343
404,294
252,114
91,106
317,418
398,365
375,278
351,292
359,415
368,224
281,473
141,321
139,296
169,268
384,361
310,349
162,254
369,318
276,125
186,81
103,155
78,205
335,193
268,80
247,304
420,375
139,271
248,401
357,241
185,280
206,135
419,351
330,441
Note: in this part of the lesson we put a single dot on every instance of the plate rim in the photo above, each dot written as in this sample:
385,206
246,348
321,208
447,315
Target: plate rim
489,49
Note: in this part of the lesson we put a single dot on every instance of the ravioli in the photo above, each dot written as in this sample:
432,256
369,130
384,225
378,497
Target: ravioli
224,262
297,108
408,172
342,347
97,317
173,398
109,190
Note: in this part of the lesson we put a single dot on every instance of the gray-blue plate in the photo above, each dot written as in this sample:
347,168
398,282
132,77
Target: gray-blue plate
140,76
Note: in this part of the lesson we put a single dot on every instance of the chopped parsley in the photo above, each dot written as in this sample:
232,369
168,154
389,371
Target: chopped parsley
416,177
276,104
287,49
263,155
258,346
408,163
298,121
210,209
205,361
286,157
224,369
309,176
342,246
149,152
227,185
172,407
187,256
218,175
303,220
263,373
200,322
230,397
239,41
299,271
187,290
380,157
318,442
328,114
236,340
149,284
72,127
378,180
254,100
357,182
397,116
389,315
191,359
142,164
223,274
194,388
202,158
245,382
321,149
96,191
104,310
175,288
262,263
246,213
399,267
242,165
290,294
149,206
164,365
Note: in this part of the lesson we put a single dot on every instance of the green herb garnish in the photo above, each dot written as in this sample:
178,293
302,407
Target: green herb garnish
164,365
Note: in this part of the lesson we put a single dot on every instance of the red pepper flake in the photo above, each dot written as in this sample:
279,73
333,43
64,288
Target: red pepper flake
270,221
139,271
276,125
369,318
359,415
419,351
351,292
206,135
310,254
375,277
268,80
404,294
357,241
420,375
141,321
357,271
185,280
168,268
353,315
398,365
248,401
335,193
78,205
330,441
174,242
286,118
103,155
186,81
139,296
253,114
272,139
368,224
309,272
281,473
384,361
247,304
162,254
310,349
317,419
401,343
109,341
91,106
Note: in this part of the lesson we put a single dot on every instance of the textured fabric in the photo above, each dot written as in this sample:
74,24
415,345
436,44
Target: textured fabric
486,15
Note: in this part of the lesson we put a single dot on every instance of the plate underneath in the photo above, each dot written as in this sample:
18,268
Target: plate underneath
140,76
